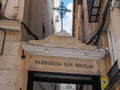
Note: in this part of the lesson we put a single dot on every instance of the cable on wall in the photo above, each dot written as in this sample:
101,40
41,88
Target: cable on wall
29,31
3,42
95,38
4,8
25,26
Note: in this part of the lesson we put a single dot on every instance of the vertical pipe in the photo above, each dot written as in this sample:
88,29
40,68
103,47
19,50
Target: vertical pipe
86,19
80,30
0,8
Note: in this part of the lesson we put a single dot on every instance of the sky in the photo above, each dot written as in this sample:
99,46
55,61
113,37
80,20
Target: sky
68,17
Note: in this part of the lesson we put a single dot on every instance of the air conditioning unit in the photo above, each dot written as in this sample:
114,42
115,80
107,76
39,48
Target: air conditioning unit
116,3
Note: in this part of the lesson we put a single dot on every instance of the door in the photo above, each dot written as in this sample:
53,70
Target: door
56,81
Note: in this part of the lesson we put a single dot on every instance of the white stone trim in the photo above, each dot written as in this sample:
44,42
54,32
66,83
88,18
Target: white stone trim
63,52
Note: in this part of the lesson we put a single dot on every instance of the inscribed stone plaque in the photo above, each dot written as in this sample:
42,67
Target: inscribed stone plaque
63,65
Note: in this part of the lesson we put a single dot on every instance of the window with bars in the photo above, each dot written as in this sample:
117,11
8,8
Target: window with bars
94,9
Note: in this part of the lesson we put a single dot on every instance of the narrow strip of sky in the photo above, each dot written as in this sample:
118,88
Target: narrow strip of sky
66,2
67,22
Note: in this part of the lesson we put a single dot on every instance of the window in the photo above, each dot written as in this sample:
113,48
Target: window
94,9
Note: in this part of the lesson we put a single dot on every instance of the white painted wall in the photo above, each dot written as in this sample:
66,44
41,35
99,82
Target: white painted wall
56,16
115,20
111,44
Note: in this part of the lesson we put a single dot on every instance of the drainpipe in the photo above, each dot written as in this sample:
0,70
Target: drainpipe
86,19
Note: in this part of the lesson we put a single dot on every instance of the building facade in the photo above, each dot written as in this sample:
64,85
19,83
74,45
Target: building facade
20,20
88,59
113,33
96,22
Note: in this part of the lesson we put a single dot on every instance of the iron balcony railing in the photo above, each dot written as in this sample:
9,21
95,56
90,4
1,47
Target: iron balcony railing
113,75
113,71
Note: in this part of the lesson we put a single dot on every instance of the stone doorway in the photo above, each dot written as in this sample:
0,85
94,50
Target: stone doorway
42,80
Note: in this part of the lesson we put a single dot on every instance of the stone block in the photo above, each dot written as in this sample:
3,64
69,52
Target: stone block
8,62
11,48
4,87
8,78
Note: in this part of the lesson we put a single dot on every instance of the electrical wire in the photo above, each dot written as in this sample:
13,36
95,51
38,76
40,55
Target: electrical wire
2,29
29,31
104,19
98,33
4,8
25,26
3,42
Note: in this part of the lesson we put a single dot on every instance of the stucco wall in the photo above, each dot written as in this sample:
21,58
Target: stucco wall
115,20
38,14
14,9
9,60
